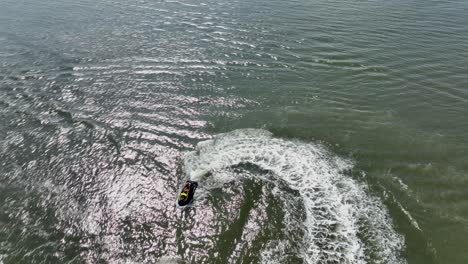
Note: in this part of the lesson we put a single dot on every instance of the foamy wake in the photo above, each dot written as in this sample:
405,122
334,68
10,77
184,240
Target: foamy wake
343,223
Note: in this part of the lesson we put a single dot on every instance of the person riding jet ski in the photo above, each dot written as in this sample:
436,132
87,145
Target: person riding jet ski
187,193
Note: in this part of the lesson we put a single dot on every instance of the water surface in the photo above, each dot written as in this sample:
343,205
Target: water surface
358,152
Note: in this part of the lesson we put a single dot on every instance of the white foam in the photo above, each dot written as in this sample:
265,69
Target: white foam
413,221
343,222
170,260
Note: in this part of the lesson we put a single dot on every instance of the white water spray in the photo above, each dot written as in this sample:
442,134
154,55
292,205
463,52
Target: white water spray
344,224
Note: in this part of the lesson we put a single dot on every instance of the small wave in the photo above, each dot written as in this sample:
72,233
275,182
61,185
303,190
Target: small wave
343,223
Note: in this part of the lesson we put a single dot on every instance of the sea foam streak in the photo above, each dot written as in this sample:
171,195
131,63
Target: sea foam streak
343,223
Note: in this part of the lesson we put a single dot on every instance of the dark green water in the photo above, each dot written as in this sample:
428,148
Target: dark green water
103,105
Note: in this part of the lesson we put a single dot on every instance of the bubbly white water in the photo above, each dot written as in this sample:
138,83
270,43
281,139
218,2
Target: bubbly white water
343,223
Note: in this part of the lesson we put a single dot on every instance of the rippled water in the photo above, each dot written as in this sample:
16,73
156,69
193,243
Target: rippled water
358,152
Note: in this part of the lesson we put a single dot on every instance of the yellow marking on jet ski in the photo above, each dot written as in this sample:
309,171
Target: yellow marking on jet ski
183,196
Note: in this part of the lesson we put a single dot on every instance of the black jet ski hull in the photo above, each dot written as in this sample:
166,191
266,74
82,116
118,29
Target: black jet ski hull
191,193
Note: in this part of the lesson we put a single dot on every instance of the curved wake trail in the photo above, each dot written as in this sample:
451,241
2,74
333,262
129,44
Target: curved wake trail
342,224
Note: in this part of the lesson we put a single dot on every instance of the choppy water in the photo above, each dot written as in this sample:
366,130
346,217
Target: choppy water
319,131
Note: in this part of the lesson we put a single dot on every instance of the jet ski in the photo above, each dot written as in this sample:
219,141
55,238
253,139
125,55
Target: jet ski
186,195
